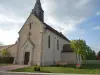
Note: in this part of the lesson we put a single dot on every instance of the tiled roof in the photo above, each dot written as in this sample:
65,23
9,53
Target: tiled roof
67,48
56,32
5,47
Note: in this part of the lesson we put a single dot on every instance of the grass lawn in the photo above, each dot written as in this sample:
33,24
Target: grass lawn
85,69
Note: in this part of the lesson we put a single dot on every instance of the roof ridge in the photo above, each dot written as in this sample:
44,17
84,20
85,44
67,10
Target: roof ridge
6,46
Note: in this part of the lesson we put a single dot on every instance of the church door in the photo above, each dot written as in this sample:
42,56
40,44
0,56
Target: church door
26,58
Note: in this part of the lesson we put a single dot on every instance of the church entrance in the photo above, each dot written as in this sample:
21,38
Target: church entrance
26,58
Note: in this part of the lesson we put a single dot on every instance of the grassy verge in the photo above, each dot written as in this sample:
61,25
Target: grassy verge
85,69
26,69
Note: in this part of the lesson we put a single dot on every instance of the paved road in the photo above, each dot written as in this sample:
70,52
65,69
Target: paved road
27,73
11,67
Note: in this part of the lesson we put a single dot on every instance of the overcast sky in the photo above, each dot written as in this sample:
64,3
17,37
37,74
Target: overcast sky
76,19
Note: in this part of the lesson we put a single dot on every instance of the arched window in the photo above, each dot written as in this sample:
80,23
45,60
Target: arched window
48,41
57,44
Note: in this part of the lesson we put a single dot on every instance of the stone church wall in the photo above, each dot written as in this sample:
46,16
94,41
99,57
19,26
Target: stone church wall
35,37
52,55
68,57
13,50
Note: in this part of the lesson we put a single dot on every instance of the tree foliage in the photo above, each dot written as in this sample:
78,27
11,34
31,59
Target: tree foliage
79,46
91,55
82,49
5,53
98,54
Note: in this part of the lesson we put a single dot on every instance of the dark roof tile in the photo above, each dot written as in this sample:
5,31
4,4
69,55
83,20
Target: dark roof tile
67,48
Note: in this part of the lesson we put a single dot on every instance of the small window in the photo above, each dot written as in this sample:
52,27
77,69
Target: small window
30,26
48,41
57,44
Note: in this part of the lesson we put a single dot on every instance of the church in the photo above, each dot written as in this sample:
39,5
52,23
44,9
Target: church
39,43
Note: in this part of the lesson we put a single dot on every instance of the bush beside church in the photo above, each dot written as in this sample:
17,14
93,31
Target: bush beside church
8,60
6,57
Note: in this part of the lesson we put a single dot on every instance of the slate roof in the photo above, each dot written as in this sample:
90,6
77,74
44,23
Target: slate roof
4,47
67,48
56,32
38,5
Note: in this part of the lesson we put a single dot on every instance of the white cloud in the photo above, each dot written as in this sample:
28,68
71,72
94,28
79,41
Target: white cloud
82,3
98,13
63,15
10,24
65,28
96,28
8,18
8,37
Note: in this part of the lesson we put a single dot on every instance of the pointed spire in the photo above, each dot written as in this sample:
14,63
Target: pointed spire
38,4
37,11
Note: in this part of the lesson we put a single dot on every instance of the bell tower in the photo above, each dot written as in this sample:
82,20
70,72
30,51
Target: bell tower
38,11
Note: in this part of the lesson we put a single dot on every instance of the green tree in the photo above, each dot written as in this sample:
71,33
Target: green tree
1,44
93,55
79,46
98,53
5,53
90,54
82,49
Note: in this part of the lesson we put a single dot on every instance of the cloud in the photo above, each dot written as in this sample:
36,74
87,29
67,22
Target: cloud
82,3
98,13
8,20
63,27
10,24
8,37
96,47
63,15
96,28
67,14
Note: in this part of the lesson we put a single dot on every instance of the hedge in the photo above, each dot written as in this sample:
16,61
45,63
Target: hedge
8,60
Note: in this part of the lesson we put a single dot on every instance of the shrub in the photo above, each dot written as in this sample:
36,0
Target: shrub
5,53
8,60
37,68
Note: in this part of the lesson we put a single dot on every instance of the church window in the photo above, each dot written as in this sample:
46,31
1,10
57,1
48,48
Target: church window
48,41
35,13
57,44
30,26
